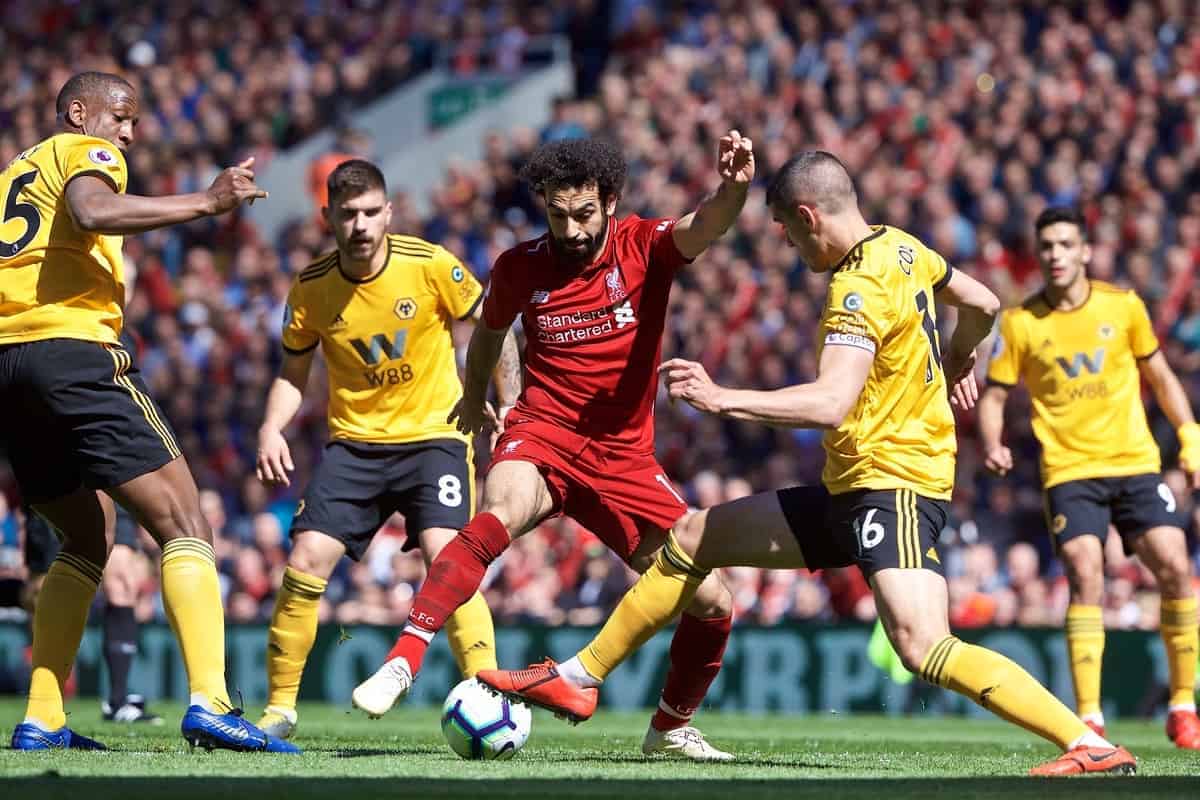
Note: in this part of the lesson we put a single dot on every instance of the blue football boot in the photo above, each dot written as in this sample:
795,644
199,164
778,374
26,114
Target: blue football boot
28,736
230,731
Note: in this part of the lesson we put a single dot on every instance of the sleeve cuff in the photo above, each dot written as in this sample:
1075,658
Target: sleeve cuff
302,350
993,382
98,173
471,310
941,284
1151,354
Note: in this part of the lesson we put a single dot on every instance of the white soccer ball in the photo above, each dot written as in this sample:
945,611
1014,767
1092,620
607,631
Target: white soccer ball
481,724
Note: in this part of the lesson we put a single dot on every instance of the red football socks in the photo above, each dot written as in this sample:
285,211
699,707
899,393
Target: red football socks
453,577
696,652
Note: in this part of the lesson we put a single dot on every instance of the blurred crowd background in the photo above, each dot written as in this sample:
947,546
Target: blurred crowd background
960,121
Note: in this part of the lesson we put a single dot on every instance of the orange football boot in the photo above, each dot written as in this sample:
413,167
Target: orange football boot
1085,759
1183,728
540,685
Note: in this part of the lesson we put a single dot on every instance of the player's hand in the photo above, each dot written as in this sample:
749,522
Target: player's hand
960,380
689,381
998,460
1189,452
735,159
472,416
234,186
274,460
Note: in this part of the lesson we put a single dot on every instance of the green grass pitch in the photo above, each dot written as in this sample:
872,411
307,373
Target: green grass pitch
349,757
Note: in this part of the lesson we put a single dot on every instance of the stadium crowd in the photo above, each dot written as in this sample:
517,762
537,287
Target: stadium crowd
960,121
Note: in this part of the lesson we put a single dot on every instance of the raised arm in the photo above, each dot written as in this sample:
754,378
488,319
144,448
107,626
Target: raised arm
694,232
824,403
274,459
1173,401
977,309
97,207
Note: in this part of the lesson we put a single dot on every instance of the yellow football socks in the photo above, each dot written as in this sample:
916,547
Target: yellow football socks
659,595
58,622
1002,687
192,599
1179,634
472,637
291,636
1085,647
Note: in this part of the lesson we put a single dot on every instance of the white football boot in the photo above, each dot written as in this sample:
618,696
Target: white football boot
378,693
686,742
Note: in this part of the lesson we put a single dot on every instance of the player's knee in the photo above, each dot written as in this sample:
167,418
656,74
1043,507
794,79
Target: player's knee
688,531
1086,580
1174,576
913,644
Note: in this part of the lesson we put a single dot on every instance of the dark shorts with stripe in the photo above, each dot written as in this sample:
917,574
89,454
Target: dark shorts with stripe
875,529
358,485
77,414
1133,504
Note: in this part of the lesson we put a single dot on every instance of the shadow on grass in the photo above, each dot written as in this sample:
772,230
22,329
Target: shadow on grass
50,787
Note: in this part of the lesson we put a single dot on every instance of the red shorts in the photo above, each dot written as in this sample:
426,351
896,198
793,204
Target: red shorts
615,495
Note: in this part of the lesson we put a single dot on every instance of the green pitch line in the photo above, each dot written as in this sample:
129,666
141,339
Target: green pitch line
349,757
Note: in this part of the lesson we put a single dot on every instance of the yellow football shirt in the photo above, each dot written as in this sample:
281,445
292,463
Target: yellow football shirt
387,340
1080,367
900,433
56,281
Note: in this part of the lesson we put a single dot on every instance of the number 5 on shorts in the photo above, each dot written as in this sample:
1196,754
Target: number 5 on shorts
870,533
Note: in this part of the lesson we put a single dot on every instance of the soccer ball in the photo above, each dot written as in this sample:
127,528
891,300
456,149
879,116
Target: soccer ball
480,724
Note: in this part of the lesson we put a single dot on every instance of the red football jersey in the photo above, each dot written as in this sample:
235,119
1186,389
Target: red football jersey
593,333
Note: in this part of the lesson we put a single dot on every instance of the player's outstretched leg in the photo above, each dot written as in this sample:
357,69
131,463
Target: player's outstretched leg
515,499
59,618
1163,549
167,503
912,604
453,578
570,689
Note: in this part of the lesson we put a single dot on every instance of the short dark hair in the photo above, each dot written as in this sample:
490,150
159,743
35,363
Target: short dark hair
85,85
1055,214
353,177
575,163
815,178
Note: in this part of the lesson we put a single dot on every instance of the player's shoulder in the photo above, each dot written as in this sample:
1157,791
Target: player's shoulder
320,267
1110,292
634,227
536,252
412,247
100,152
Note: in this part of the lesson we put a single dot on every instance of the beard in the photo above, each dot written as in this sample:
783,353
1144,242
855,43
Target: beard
584,255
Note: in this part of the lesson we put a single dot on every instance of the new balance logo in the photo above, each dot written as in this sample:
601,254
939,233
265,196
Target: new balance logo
1080,362
539,296
512,446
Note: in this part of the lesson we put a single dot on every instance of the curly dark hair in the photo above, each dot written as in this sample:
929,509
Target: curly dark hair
575,163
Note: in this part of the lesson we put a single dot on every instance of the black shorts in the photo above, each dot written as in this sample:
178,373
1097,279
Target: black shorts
1134,504
42,542
77,413
358,485
875,529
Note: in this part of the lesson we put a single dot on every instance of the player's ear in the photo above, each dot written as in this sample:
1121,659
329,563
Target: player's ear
327,215
1086,252
808,216
76,113
610,205
387,216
